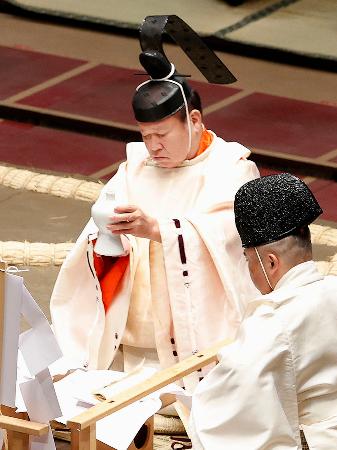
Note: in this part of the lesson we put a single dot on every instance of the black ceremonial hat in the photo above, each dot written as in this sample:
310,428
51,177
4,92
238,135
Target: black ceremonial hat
156,100
270,208
159,98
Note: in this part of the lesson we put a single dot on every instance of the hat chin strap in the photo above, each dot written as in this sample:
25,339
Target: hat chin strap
263,269
184,98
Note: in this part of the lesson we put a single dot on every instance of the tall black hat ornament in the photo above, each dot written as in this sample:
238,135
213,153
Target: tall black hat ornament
272,207
167,92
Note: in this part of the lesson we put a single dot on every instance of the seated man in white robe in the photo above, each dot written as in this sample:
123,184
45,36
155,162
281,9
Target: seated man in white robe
177,291
276,384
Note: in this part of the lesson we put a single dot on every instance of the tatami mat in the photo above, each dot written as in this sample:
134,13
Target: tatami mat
306,27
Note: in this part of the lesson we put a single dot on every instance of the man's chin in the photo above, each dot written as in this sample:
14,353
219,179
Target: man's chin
166,163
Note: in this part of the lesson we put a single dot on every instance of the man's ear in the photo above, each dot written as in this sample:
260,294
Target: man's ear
196,117
273,261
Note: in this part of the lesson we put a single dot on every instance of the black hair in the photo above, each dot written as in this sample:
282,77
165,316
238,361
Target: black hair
194,102
302,236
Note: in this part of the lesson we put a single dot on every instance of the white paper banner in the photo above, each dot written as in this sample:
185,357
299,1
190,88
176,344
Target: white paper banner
42,406
38,345
11,330
40,398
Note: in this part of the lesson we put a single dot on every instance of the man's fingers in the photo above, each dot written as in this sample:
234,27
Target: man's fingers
120,218
120,227
125,209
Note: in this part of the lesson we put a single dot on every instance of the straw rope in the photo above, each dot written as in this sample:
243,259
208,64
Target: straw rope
327,237
323,235
66,187
328,267
168,425
34,254
44,254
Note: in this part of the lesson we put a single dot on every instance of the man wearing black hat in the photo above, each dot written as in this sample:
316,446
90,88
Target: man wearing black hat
178,290
278,381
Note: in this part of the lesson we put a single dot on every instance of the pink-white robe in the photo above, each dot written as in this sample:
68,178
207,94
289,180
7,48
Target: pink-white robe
178,296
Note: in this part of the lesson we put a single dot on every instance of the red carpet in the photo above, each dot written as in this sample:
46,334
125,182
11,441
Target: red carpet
278,124
326,193
105,92
23,69
61,151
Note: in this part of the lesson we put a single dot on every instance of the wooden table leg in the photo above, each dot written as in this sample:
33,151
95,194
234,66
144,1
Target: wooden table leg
17,441
84,439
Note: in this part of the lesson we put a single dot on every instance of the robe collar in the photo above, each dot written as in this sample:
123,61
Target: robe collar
301,275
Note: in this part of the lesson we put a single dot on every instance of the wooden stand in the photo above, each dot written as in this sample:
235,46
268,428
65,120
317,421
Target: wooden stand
83,426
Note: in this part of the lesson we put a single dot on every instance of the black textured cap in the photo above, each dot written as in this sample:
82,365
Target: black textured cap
270,208
157,100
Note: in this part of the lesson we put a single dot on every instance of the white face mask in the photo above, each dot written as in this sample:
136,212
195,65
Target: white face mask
263,269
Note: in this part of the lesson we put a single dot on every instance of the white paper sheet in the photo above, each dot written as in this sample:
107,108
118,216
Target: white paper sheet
38,345
79,381
119,429
62,365
23,375
45,442
85,383
11,330
1,438
40,398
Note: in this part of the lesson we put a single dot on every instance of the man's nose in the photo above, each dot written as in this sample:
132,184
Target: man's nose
155,144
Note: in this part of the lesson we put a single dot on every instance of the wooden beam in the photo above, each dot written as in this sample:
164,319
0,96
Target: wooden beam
23,426
152,384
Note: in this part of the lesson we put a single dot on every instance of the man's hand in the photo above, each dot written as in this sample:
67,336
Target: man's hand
129,219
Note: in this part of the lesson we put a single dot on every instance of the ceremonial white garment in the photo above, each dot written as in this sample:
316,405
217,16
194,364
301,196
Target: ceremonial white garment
280,374
178,296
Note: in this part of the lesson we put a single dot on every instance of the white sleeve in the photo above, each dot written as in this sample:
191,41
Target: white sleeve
248,401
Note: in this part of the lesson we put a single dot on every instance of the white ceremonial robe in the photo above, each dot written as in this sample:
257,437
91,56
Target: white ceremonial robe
178,296
280,374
